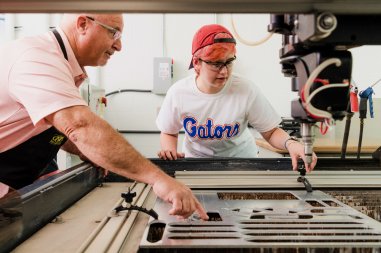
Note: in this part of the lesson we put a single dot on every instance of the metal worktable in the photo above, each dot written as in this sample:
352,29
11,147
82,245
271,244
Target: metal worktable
70,196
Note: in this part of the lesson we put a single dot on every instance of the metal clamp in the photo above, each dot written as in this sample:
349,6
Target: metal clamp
128,197
303,179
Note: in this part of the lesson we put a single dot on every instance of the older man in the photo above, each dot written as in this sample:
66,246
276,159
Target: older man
41,109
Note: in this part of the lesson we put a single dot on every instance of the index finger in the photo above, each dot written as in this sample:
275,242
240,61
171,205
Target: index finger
294,161
201,211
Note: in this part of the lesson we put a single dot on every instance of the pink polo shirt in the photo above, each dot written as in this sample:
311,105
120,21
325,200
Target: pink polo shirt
35,81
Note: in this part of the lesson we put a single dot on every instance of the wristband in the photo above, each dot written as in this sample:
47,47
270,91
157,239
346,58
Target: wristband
289,139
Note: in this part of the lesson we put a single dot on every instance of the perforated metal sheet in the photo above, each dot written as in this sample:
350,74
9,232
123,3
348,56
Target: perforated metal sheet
265,219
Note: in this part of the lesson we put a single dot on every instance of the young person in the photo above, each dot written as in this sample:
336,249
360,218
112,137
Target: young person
215,107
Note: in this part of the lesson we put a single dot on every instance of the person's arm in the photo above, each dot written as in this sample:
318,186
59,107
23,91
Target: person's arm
72,149
168,144
98,141
279,139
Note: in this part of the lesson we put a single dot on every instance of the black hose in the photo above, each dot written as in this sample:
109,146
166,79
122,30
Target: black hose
126,90
346,135
360,138
362,116
142,131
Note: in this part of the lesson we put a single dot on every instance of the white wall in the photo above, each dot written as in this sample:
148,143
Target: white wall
366,68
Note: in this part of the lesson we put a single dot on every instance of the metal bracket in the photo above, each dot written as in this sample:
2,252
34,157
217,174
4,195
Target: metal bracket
303,179
128,197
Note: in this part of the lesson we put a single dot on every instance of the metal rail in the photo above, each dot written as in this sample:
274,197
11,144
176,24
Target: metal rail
279,179
193,6
113,231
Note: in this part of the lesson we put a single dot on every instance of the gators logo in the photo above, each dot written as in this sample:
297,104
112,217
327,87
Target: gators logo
209,130
57,139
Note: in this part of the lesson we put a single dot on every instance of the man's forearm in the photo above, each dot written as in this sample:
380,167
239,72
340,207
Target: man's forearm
71,148
98,141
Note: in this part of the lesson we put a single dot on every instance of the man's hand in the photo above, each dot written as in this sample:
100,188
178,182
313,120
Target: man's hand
296,150
170,154
184,203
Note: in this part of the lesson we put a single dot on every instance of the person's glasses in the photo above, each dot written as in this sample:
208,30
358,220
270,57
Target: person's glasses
116,34
218,65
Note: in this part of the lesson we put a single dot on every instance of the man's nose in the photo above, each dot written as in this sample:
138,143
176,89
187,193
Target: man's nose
117,44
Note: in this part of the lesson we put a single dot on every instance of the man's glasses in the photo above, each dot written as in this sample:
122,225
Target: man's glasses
218,66
116,34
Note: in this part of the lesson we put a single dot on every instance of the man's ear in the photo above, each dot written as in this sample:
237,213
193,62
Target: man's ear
82,24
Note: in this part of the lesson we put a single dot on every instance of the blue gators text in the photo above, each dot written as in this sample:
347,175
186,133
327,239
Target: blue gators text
208,130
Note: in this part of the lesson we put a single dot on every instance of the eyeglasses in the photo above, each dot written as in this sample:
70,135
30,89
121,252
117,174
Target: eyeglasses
116,34
218,66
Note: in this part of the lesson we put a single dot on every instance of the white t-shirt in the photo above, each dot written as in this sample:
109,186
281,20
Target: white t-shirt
216,125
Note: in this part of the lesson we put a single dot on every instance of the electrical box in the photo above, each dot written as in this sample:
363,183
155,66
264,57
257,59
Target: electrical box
162,74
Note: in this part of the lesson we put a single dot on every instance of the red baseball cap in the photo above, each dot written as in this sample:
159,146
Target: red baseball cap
205,36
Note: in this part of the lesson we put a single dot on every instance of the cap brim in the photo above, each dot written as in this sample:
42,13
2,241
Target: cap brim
191,64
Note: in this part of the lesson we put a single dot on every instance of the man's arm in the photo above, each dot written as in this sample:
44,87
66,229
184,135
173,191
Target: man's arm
98,141
72,149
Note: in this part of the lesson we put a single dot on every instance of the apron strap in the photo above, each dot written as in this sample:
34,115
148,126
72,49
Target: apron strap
60,42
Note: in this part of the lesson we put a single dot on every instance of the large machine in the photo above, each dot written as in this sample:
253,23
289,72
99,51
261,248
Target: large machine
315,55
254,205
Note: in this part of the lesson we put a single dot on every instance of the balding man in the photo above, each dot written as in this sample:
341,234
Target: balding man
41,109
